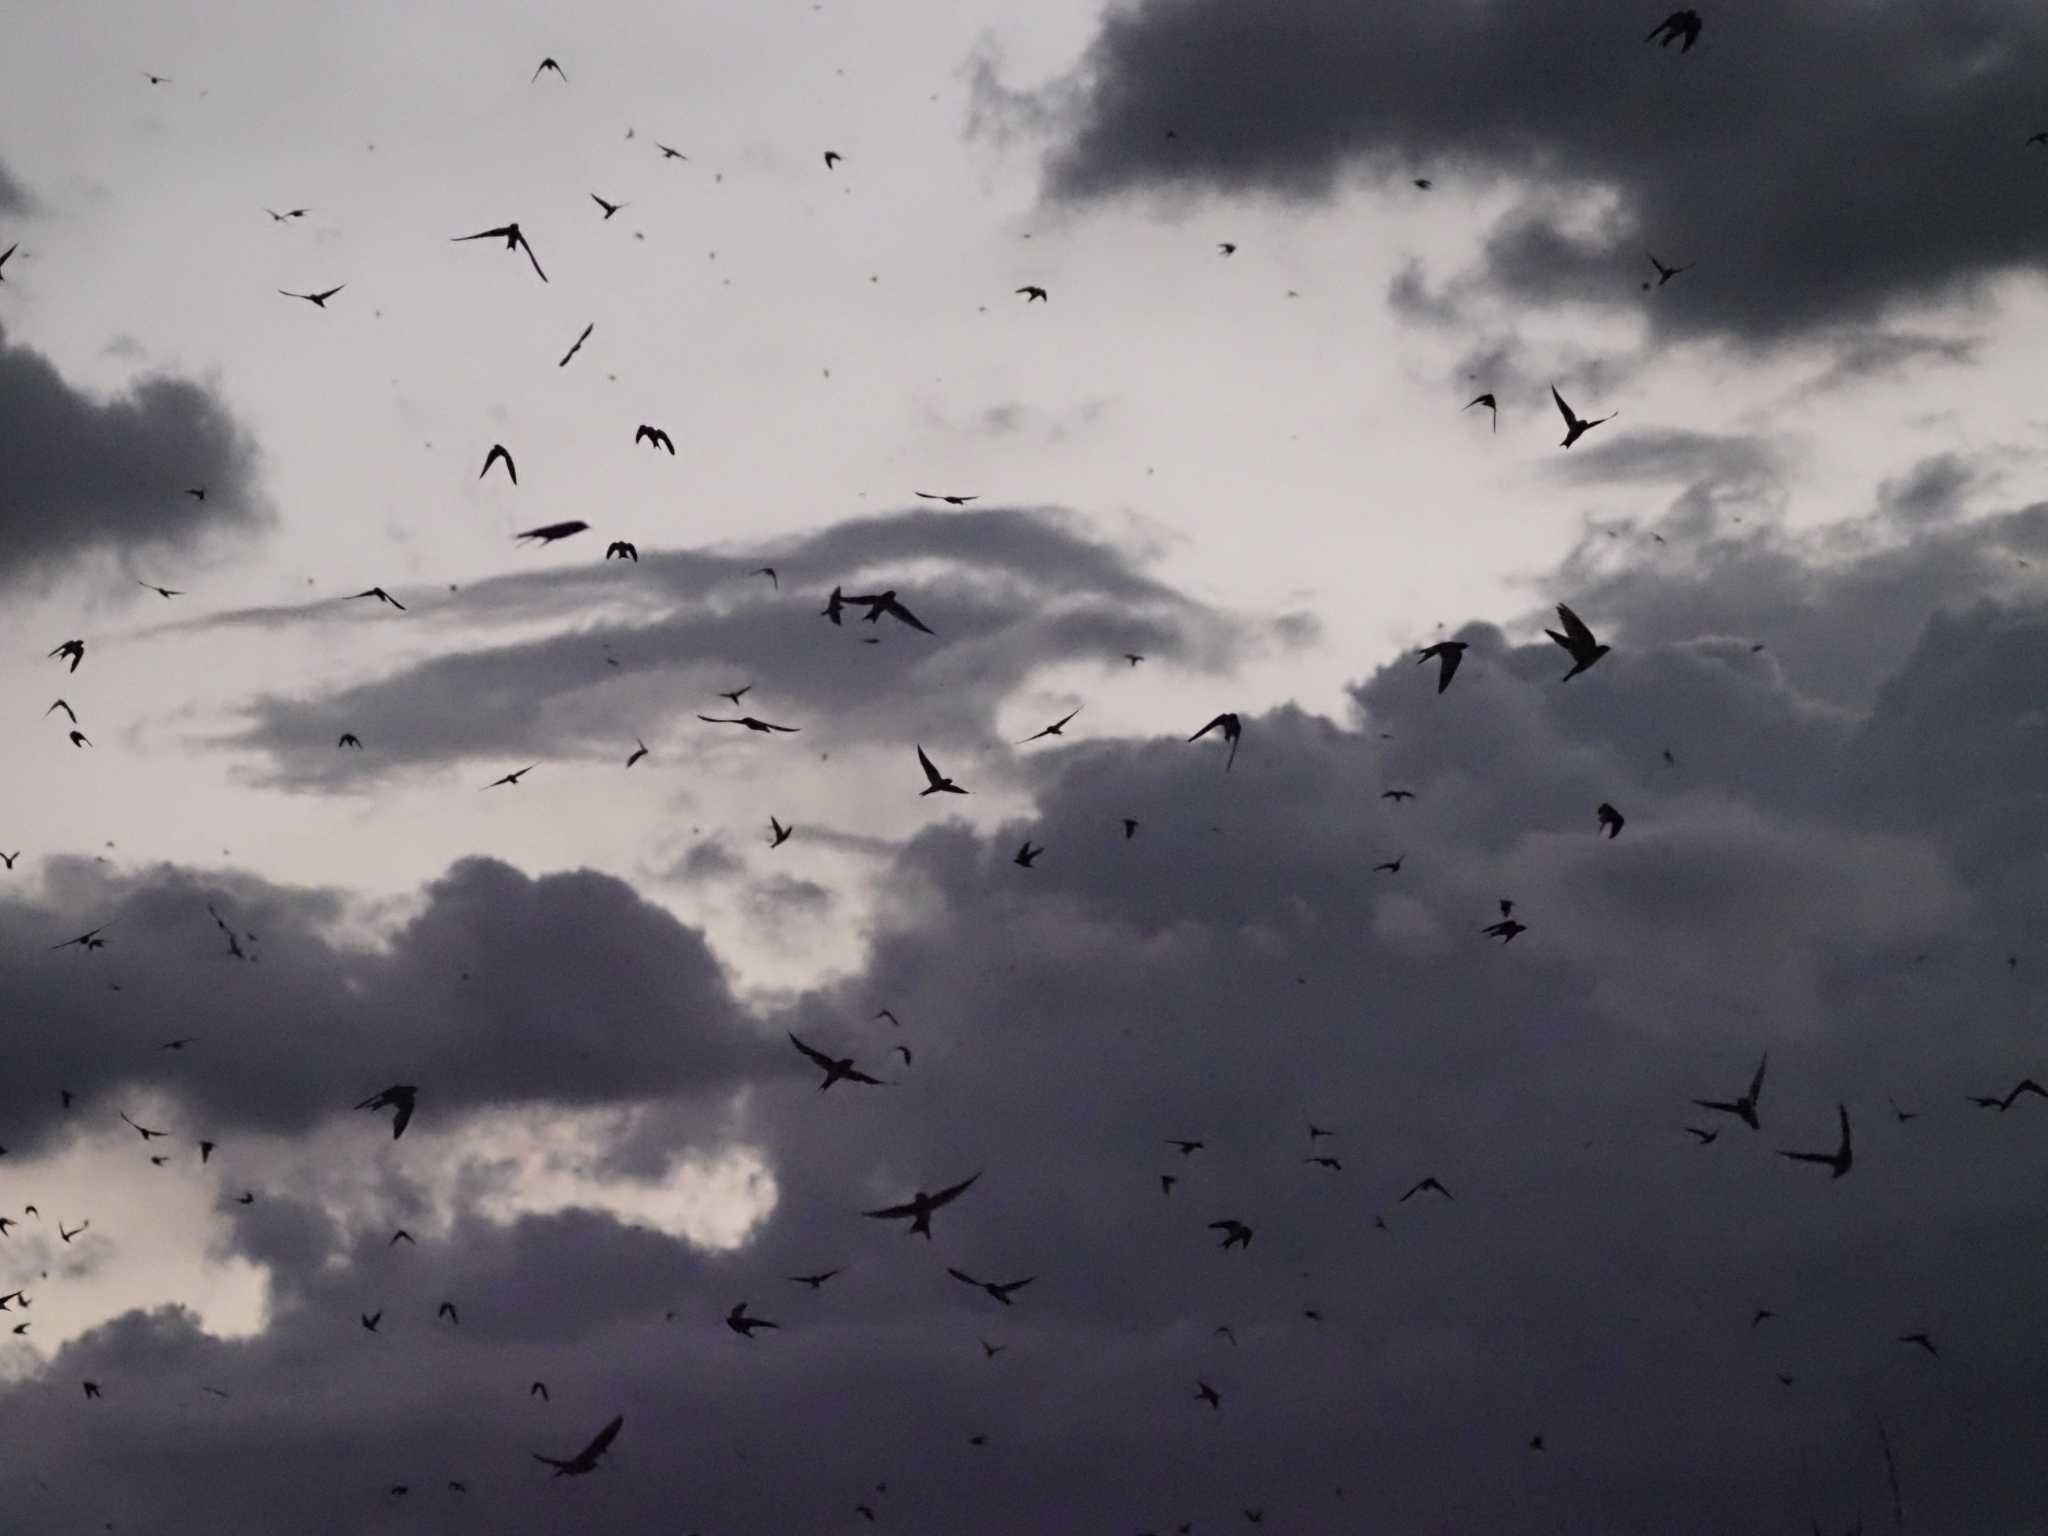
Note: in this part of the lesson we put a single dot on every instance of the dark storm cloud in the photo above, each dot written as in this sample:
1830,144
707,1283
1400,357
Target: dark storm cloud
1834,874
85,476
568,989
1007,593
1908,181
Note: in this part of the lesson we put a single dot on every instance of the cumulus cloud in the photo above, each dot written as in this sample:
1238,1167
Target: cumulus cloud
1605,146
1838,863
88,476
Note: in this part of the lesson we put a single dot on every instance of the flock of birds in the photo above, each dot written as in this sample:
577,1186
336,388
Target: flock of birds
1573,637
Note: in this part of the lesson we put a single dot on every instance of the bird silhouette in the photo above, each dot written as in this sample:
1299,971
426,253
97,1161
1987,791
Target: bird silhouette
951,501
1028,855
549,64
9,858
447,1310
654,437
880,603
1611,820
778,833
370,1320
1578,642
837,1070
1390,867
773,580
548,533
669,154
498,453
381,595
70,713
743,1325
578,347
622,549
1743,1108
87,941
1428,1185
586,1459
1235,1233
1576,426
935,781
1492,407
1505,930
1001,1291
513,777
75,649
1448,653
1840,1160
288,215
160,591
1186,1148
1232,729
1664,273
400,1097
919,1207
349,739
4,255
1055,729
1679,24
1920,1339
1397,795
317,300
832,158
514,241
1702,1135
818,1280
1032,293
761,727
142,1130
640,751
1204,1393
78,739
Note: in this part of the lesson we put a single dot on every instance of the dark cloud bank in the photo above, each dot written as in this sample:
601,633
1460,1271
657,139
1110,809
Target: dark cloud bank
1821,162
1844,863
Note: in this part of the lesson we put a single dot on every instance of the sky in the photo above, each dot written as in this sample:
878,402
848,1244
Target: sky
1283,250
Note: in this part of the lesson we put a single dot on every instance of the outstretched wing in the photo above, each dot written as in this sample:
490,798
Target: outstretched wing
1562,409
887,1212
604,1438
1575,628
931,772
952,1193
1212,725
903,613
1756,1084
962,1275
817,1056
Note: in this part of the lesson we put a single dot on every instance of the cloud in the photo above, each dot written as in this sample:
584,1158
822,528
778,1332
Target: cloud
1008,592
14,197
90,477
1837,853
1604,146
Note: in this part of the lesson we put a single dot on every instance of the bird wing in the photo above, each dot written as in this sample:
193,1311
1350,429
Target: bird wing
1205,730
815,1055
952,1193
903,613
604,1438
531,257
1756,1084
485,234
907,1208
1575,629
931,772
1564,410
962,1275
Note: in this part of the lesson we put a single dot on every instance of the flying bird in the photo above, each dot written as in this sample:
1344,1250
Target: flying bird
9,858
1578,642
69,1234
654,437
622,549
497,453
1131,825
1922,1340
3,259
1001,1291
447,1310
1576,427
548,533
1429,1185
1235,1233
1187,1148
160,591
773,580
288,214
1032,293
762,727
549,64
1664,273
816,1281
880,603
832,158
640,751
1679,24
951,501
1492,405
1028,855
1702,1135
1226,248
1611,820
1232,727
1397,796
78,739
87,941
743,1325
1840,1160
61,704
669,154
919,1207
1743,1108
513,777
1204,1393
585,1460
840,1069
75,649
778,833
1054,729
935,781
400,1097
1505,930
514,241
402,1236
580,339
317,300
1448,653
381,595
1391,866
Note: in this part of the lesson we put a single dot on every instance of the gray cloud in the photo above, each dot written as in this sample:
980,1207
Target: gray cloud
1577,112
13,195
85,476
1007,592
1233,970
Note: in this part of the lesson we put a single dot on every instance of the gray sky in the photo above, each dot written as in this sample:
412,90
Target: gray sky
1814,534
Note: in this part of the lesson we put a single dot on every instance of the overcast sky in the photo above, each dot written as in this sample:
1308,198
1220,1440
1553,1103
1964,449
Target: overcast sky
1234,440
